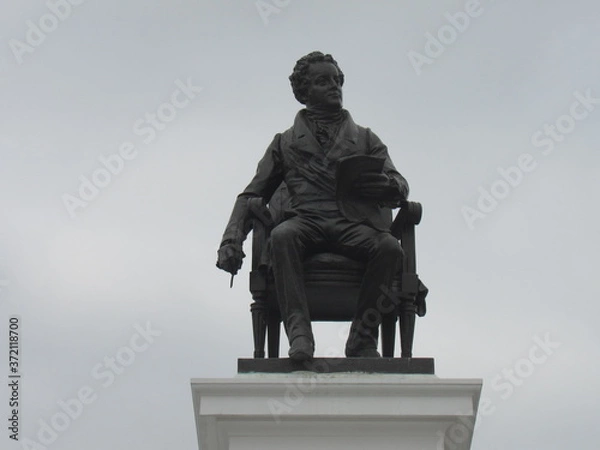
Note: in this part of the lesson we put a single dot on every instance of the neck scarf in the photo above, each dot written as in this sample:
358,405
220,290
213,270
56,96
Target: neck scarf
326,124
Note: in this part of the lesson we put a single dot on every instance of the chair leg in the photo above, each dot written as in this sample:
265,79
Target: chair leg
407,328
259,327
274,327
388,335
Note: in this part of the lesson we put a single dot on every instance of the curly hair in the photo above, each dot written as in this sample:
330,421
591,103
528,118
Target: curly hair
299,76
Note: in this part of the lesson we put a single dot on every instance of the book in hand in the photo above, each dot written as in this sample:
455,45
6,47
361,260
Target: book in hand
350,169
352,205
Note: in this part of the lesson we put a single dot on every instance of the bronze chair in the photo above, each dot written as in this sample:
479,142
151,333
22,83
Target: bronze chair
333,281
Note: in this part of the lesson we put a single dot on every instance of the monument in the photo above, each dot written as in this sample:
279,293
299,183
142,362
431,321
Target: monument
325,247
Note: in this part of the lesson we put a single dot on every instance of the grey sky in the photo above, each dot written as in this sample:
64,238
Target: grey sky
143,249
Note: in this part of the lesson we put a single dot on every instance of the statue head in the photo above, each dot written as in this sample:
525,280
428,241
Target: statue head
317,79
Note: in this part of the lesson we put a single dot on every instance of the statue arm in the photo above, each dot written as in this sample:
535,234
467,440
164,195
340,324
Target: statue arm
398,186
269,175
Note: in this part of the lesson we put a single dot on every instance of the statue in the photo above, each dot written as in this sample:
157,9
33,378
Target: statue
323,216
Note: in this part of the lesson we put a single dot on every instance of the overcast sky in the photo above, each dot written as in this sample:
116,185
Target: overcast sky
492,117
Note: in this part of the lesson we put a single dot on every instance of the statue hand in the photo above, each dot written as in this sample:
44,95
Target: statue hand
372,185
229,258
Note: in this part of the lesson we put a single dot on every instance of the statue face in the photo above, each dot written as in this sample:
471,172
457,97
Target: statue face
324,88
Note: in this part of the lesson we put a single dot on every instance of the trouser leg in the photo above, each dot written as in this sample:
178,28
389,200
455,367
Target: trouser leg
289,242
383,256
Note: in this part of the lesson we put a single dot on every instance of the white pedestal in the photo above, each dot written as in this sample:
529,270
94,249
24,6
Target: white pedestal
310,411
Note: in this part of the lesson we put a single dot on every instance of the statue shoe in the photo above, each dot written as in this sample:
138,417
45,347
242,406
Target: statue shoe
302,349
362,353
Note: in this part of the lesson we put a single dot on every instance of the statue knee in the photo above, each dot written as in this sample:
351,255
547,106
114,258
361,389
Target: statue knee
281,233
389,246
284,234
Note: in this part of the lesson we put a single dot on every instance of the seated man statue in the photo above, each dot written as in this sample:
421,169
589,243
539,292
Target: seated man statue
305,157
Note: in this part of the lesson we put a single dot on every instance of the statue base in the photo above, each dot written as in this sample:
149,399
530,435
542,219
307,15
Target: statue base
335,411
338,365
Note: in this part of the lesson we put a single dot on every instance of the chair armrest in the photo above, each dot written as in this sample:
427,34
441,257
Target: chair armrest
410,214
403,228
262,223
259,211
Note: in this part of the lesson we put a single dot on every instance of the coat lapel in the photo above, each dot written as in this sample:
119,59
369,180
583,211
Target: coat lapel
302,138
344,145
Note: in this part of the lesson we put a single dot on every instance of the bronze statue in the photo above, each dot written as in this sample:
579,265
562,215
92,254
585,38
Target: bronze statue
306,157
